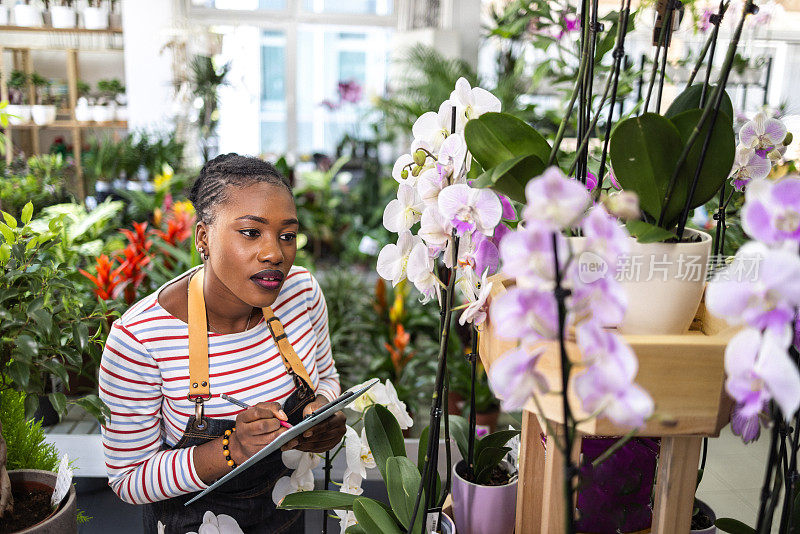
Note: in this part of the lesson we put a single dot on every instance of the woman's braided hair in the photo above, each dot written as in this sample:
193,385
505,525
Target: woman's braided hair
211,186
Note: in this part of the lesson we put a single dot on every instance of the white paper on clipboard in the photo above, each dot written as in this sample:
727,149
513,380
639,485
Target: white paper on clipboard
323,413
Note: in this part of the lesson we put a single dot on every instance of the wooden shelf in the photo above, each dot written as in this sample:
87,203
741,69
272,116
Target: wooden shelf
59,30
68,124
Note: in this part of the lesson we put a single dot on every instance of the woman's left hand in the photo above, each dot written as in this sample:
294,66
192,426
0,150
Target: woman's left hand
322,437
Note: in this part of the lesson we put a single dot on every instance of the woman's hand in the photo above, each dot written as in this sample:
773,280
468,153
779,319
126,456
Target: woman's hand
256,427
322,437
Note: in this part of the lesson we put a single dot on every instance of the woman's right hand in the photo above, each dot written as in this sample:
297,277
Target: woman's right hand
256,427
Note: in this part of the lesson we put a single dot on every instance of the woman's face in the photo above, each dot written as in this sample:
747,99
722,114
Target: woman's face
251,243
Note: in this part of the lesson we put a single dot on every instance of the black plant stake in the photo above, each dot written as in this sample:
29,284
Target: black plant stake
327,483
715,19
570,470
473,362
664,35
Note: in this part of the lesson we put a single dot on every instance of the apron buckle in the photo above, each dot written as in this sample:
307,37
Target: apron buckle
198,411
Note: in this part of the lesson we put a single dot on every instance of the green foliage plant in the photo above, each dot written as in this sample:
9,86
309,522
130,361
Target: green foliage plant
46,326
29,448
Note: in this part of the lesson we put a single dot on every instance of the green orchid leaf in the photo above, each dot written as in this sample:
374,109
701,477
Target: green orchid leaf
733,526
459,431
511,176
355,529
485,462
373,517
383,435
718,159
690,99
402,484
645,232
643,153
496,439
318,500
494,138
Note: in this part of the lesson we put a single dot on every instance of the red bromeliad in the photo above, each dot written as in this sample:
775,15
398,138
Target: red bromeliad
107,279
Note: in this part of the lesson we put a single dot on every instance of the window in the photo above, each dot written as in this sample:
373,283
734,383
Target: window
363,7
272,5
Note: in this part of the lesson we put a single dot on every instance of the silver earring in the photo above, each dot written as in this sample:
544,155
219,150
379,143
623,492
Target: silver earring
203,253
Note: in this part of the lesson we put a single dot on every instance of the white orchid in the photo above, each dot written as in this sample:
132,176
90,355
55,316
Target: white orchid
476,311
420,273
385,395
301,479
763,133
454,153
214,524
748,166
402,163
347,518
351,483
430,184
393,259
404,211
431,129
434,229
469,209
471,102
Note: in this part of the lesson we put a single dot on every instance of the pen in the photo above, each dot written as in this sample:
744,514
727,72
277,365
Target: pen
241,404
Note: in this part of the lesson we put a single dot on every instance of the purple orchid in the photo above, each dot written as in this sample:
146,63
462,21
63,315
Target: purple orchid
527,255
748,166
759,368
555,200
762,132
759,288
747,428
527,314
605,235
514,378
469,209
771,213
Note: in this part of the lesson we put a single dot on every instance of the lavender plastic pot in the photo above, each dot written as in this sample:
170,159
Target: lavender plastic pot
483,509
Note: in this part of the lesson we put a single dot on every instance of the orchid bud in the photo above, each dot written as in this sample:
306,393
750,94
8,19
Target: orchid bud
404,174
420,156
775,155
622,204
788,139
416,170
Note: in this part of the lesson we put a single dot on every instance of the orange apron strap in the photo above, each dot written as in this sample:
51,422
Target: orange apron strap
290,358
198,340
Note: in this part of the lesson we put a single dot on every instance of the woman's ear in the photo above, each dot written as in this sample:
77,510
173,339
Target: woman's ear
201,239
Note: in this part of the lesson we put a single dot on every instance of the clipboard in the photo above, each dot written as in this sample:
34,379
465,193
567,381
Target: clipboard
315,418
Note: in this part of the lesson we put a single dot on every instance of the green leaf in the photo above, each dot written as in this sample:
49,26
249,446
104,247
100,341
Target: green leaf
8,234
643,153
355,529
31,405
719,156
459,431
95,406
80,333
20,374
59,402
43,319
383,435
373,518
5,252
10,221
488,459
496,439
690,99
423,448
511,176
645,232
27,213
494,138
402,483
733,526
318,500
27,346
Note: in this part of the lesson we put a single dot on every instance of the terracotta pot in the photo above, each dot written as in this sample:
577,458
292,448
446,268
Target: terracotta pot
65,519
663,296
710,513
483,509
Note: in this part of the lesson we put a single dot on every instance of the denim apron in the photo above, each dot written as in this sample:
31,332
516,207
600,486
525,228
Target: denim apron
247,497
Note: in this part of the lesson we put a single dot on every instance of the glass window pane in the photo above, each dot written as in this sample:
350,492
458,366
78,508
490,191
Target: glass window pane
362,7
273,5
273,67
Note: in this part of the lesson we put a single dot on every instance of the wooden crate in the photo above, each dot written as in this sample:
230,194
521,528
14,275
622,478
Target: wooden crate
685,376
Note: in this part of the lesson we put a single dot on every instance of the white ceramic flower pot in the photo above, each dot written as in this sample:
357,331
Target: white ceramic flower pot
122,113
664,283
27,15
102,113
3,16
63,17
83,112
95,18
43,115
18,114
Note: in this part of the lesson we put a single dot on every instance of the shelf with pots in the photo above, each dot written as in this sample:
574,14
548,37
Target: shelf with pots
62,16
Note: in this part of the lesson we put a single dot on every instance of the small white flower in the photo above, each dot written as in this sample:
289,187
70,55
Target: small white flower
475,313
348,519
397,407
385,395
404,211
301,479
214,524
431,129
471,102
351,483
420,272
393,259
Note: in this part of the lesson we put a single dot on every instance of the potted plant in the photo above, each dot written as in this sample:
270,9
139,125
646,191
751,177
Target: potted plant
44,111
95,15
27,14
105,107
83,111
380,446
47,325
101,165
3,14
30,470
18,111
485,494
63,14
115,16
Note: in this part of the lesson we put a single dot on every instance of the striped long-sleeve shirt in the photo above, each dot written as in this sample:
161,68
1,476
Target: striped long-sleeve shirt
144,379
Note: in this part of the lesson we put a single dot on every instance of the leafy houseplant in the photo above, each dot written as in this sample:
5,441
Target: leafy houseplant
43,111
206,80
18,109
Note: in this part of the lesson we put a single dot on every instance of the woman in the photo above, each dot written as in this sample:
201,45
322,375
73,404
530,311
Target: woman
212,331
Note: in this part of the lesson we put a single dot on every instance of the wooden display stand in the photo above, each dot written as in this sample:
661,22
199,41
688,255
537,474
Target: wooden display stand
685,376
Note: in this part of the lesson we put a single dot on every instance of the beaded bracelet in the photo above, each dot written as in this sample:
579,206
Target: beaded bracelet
225,450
